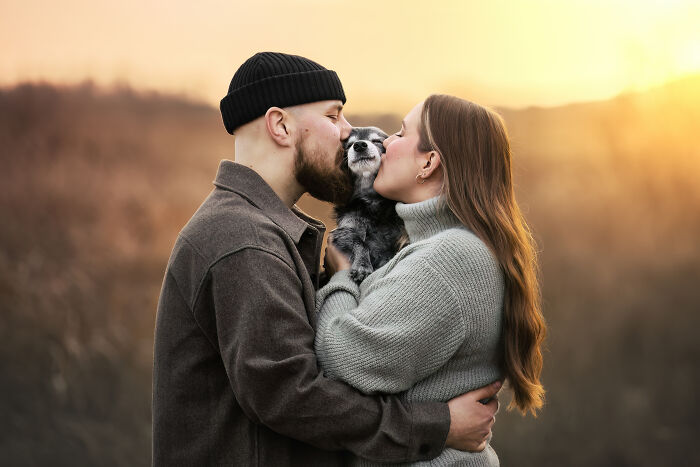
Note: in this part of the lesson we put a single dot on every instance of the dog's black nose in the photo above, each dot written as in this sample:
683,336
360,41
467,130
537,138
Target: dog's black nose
359,146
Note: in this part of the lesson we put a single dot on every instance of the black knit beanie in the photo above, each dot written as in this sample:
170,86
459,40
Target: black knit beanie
272,79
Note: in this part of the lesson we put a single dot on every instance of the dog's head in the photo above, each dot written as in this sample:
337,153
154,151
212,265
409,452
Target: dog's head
363,151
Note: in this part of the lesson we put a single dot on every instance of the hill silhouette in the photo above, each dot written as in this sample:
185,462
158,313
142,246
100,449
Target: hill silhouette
96,184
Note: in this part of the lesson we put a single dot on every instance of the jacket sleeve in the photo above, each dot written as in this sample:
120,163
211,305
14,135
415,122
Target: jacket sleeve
266,343
406,325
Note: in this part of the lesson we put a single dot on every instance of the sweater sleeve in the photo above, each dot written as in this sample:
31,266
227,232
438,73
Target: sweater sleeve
406,325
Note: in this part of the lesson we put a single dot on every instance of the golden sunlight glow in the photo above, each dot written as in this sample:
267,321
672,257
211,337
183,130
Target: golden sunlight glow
389,54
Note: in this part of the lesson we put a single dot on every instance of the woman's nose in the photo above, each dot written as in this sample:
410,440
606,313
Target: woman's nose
386,141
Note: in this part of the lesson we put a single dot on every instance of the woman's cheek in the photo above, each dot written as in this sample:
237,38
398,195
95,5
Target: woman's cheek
379,180
388,154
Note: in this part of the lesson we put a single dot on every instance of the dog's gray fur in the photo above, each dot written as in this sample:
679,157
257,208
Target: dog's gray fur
369,230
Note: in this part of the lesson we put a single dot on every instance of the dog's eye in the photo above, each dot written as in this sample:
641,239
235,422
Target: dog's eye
377,141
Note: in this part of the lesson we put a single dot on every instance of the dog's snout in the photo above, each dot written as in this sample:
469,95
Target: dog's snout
359,146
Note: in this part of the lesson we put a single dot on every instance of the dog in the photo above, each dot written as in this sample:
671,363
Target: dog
369,230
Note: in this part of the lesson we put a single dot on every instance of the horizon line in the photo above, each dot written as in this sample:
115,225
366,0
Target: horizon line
125,86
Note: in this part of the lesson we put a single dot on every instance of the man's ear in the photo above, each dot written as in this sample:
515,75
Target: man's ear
278,122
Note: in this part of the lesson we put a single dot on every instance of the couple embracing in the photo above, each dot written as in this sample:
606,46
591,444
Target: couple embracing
256,366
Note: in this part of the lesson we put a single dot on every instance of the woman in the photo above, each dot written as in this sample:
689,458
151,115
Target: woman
458,307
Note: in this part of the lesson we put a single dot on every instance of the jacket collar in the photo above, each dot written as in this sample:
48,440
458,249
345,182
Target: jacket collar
247,183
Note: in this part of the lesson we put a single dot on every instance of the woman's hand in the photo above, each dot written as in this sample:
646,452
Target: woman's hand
334,260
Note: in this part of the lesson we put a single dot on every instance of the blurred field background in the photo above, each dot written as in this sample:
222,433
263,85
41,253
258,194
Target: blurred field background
96,183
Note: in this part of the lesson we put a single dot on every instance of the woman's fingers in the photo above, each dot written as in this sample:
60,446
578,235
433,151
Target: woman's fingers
335,258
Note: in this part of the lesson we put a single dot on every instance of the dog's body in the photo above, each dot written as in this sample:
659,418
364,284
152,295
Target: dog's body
369,230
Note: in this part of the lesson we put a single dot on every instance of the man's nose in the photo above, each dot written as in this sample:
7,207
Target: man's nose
345,129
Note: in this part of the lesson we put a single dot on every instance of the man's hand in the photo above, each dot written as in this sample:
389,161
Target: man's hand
470,420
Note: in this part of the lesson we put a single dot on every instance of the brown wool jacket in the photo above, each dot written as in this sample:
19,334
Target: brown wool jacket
235,378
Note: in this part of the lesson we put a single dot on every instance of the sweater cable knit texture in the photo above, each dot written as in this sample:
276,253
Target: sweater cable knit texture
427,324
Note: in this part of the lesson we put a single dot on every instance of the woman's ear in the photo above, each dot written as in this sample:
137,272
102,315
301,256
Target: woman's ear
277,122
430,163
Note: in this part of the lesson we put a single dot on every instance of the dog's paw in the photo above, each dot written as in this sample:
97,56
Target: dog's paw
359,273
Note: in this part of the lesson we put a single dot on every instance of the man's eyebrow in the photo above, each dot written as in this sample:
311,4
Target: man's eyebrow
337,107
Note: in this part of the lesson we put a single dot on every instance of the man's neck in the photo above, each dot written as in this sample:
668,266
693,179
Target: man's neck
280,179
275,164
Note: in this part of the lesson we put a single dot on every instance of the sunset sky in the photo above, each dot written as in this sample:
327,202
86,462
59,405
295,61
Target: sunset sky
389,54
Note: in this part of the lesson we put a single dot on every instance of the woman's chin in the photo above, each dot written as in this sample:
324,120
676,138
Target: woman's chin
378,186
381,192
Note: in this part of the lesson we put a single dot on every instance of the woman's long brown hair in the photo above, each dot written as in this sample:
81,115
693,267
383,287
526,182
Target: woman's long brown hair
477,186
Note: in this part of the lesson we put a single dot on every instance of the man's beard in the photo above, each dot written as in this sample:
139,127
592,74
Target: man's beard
323,182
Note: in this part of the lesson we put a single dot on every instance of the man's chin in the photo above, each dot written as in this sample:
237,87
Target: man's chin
336,199
335,191
331,184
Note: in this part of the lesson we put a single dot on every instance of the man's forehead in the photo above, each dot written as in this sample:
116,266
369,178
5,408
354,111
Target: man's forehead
319,106
332,105
324,106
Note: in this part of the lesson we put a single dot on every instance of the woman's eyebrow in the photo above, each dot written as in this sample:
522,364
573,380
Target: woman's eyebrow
337,107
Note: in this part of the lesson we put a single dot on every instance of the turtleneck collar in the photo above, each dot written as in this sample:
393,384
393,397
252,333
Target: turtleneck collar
426,218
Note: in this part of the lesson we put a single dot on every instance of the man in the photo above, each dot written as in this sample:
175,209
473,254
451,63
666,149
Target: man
235,379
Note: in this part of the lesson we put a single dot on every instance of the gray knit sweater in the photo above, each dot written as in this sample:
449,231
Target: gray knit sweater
427,324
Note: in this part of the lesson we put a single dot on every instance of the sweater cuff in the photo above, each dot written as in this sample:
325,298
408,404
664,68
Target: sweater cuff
340,281
429,429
